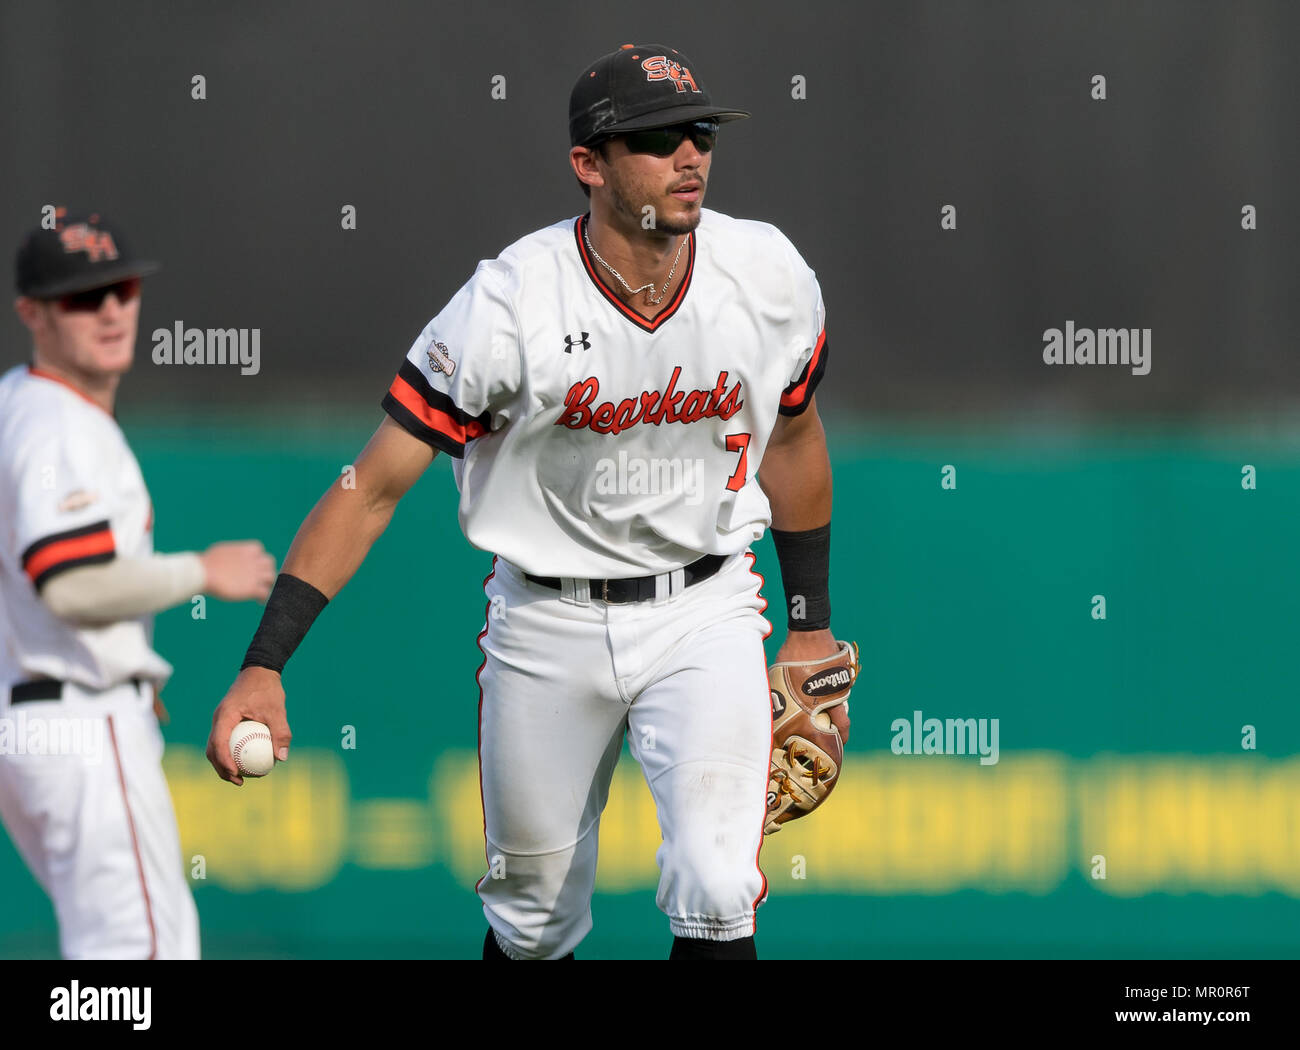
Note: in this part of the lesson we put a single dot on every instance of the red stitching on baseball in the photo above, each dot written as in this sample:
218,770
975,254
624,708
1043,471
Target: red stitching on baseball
239,749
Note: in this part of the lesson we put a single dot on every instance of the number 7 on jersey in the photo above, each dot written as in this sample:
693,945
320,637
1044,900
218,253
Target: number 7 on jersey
738,443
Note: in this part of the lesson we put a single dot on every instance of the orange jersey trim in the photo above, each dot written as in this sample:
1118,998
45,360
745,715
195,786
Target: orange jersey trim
40,373
68,550
431,417
795,397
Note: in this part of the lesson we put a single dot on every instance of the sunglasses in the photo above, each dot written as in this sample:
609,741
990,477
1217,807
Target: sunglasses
92,299
663,142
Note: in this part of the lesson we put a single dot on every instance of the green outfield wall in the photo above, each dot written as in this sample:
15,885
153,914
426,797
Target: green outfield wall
1156,746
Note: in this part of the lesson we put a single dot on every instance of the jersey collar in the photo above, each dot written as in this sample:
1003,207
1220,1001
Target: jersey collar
40,373
592,267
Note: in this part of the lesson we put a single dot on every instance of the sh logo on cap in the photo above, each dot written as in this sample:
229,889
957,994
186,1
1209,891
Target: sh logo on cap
82,237
660,67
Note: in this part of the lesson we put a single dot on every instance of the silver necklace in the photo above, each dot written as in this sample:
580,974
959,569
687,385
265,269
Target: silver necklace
650,298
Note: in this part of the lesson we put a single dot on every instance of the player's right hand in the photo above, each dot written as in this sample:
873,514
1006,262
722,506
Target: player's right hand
238,571
256,695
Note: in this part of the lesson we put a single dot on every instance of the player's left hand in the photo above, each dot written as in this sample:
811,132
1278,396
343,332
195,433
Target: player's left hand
814,645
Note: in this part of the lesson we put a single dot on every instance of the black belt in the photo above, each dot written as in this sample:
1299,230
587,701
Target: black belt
45,689
638,588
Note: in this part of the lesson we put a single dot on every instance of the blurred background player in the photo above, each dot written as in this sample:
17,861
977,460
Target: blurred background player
82,791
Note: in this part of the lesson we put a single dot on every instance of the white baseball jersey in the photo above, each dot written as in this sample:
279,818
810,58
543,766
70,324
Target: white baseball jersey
590,441
71,493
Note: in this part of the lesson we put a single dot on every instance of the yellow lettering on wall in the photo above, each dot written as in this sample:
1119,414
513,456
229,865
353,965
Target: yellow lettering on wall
895,824
933,825
1187,823
395,834
629,834
287,830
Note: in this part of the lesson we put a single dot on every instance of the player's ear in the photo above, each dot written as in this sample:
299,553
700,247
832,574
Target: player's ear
28,311
583,161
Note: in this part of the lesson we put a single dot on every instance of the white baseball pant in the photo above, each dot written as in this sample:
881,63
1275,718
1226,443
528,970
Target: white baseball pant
95,823
564,678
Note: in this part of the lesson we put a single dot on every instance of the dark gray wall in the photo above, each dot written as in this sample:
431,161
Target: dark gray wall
1122,213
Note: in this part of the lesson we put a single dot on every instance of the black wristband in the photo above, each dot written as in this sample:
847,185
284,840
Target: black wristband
292,608
805,559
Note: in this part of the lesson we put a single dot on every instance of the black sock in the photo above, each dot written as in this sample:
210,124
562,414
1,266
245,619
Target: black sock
699,948
492,951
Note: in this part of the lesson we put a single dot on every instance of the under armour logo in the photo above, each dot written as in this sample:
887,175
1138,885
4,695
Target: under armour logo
570,342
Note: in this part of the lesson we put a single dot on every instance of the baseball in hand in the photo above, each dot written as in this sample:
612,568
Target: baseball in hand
250,747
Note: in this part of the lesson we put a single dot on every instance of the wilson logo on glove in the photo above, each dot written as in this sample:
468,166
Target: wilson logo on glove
828,682
807,752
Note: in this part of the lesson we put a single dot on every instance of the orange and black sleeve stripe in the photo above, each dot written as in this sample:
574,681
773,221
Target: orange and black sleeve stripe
430,414
797,395
51,555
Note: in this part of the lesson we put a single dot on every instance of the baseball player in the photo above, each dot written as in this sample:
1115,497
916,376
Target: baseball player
82,793
608,388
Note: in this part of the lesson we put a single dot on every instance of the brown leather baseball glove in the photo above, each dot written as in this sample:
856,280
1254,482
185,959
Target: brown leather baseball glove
807,751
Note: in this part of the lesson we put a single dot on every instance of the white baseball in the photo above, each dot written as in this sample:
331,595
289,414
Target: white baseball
250,747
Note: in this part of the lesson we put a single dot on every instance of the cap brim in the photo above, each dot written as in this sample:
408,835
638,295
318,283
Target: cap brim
664,118
86,281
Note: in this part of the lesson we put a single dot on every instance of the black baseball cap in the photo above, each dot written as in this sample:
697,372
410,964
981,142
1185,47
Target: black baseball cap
638,87
82,252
